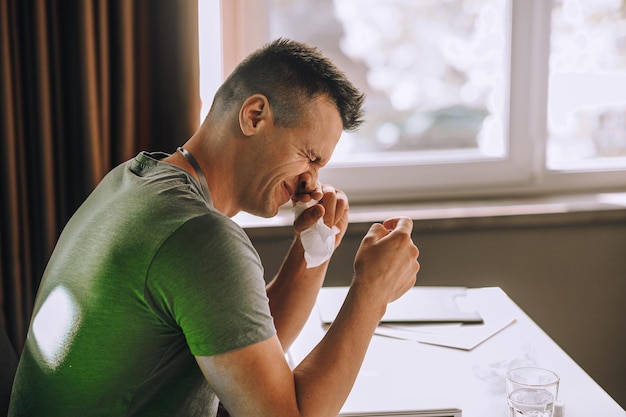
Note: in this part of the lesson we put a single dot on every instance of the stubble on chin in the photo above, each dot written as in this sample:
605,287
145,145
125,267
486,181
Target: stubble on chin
267,205
267,208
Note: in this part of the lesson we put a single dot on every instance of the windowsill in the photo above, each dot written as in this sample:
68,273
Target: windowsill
459,214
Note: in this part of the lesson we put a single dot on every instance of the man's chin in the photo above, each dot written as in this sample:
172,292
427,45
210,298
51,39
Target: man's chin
271,207
266,215
267,212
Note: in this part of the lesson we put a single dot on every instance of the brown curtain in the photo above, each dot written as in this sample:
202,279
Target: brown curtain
84,86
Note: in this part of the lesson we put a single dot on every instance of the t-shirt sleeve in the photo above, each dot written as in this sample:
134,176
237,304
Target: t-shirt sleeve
207,280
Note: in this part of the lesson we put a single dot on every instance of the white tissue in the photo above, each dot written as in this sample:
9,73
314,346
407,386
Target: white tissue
318,240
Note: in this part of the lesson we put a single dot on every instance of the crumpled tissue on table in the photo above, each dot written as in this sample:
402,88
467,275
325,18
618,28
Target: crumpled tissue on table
495,373
318,240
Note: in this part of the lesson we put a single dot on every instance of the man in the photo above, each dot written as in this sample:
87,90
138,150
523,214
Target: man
154,303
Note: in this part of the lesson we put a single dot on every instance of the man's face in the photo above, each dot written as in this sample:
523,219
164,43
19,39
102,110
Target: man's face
292,157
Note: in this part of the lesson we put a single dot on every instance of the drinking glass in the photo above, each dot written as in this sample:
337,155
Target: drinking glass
531,392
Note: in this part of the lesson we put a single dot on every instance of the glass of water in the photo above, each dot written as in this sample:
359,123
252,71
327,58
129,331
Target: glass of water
531,392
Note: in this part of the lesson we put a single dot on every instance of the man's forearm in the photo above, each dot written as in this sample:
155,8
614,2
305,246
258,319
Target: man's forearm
292,293
326,376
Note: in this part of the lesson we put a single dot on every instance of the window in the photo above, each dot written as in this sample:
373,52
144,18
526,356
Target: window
587,89
464,97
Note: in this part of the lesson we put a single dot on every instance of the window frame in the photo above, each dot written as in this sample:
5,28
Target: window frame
523,171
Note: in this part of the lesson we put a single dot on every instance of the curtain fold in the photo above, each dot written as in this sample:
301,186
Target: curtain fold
84,86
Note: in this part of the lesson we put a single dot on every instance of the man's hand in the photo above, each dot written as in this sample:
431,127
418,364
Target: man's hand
386,262
332,206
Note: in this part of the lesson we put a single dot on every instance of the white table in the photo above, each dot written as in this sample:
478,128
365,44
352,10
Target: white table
413,376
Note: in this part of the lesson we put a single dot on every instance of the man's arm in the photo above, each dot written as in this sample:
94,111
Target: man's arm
257,380
292,293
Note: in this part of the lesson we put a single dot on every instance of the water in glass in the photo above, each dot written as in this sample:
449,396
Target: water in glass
530,402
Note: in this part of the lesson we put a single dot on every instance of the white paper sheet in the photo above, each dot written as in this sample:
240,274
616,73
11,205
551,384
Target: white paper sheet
458,336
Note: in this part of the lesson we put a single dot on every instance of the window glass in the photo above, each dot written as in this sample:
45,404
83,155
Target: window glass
465,98
434,73
587,85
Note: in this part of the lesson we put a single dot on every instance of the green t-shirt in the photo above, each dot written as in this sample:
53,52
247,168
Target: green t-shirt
145,275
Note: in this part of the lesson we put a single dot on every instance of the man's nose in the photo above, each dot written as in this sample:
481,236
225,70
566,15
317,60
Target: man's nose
307,182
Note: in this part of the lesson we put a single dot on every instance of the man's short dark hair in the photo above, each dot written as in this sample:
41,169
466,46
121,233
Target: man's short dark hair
290,74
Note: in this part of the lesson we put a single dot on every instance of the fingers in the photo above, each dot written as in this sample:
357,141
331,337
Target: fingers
400,229
305,197
403,224
335,203
388,258
308,218
398,225
376,232
332,206
329,201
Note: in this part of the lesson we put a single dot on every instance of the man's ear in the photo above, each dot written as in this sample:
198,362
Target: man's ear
254,114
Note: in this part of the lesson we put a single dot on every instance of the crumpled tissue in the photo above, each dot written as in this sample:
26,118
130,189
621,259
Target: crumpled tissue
318,240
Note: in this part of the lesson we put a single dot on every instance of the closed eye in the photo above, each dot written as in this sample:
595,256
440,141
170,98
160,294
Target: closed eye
313,157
